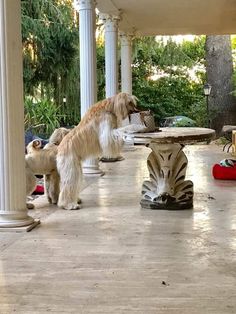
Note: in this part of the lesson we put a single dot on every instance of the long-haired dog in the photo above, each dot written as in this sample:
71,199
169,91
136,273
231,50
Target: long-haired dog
94,136
56,137
42,161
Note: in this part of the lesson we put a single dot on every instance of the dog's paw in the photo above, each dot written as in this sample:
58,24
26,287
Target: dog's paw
29,206
71,206
79,201
54,201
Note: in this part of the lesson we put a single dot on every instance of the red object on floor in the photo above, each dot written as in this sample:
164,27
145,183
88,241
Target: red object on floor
39,189
224,173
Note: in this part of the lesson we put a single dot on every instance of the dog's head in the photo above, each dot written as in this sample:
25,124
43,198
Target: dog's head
58,135
124,105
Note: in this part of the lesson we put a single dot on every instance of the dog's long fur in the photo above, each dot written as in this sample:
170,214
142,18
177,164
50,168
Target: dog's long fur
40,161
94,136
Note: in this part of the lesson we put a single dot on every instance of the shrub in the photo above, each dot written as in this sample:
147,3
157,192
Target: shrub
41,116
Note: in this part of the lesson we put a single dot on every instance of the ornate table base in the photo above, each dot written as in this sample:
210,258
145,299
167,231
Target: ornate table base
167,187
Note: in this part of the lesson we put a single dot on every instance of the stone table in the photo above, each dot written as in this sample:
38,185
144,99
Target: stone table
167,164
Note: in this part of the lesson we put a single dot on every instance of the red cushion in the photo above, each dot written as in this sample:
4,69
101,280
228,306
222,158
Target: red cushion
224,173
39,189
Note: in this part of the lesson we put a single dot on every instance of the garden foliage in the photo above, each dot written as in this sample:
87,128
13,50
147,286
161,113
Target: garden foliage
162,71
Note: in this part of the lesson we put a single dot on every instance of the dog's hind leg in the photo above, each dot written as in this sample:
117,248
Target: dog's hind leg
52,186
47,187
31,183
70,171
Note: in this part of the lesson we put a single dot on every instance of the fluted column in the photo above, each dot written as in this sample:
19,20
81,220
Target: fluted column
88,75
126,61
126,79
13,211
126,70
111,53
111,62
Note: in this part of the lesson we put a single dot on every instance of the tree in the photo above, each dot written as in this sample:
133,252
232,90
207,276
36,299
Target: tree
50,40
162,77
219,69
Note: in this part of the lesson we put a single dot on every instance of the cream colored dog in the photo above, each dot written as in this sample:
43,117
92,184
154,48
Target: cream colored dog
95,136
40,161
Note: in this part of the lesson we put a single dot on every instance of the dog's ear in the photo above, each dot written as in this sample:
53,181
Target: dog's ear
121,105
132,105
135,100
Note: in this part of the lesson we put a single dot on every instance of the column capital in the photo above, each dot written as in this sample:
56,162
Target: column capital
110,21
84,4
126,37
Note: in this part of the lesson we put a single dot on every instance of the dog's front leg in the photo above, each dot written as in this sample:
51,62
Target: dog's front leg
110,139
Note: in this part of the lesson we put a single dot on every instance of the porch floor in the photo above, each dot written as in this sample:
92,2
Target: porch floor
114,257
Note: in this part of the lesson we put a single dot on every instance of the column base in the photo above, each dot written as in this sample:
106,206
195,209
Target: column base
112,159
92,172
91,168
18,225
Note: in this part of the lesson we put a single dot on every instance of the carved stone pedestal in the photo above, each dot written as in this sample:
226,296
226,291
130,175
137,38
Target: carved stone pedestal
167,187
167,164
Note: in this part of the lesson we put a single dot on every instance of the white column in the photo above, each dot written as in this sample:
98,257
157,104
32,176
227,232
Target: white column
13,212
111,61
126,79
111,53
88,75
126,61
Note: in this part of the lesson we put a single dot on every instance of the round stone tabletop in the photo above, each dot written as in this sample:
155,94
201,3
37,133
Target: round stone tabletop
180,135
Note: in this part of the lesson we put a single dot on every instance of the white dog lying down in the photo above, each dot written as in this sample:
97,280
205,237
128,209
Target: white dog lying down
94,136
40,161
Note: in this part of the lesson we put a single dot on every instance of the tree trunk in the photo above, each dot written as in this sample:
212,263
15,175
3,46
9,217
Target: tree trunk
219,71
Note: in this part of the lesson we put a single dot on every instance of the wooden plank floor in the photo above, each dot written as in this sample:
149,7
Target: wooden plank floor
114,257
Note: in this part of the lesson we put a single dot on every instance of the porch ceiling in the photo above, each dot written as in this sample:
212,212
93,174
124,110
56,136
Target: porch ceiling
172,17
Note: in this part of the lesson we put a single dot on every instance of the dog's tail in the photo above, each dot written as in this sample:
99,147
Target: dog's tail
34,146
